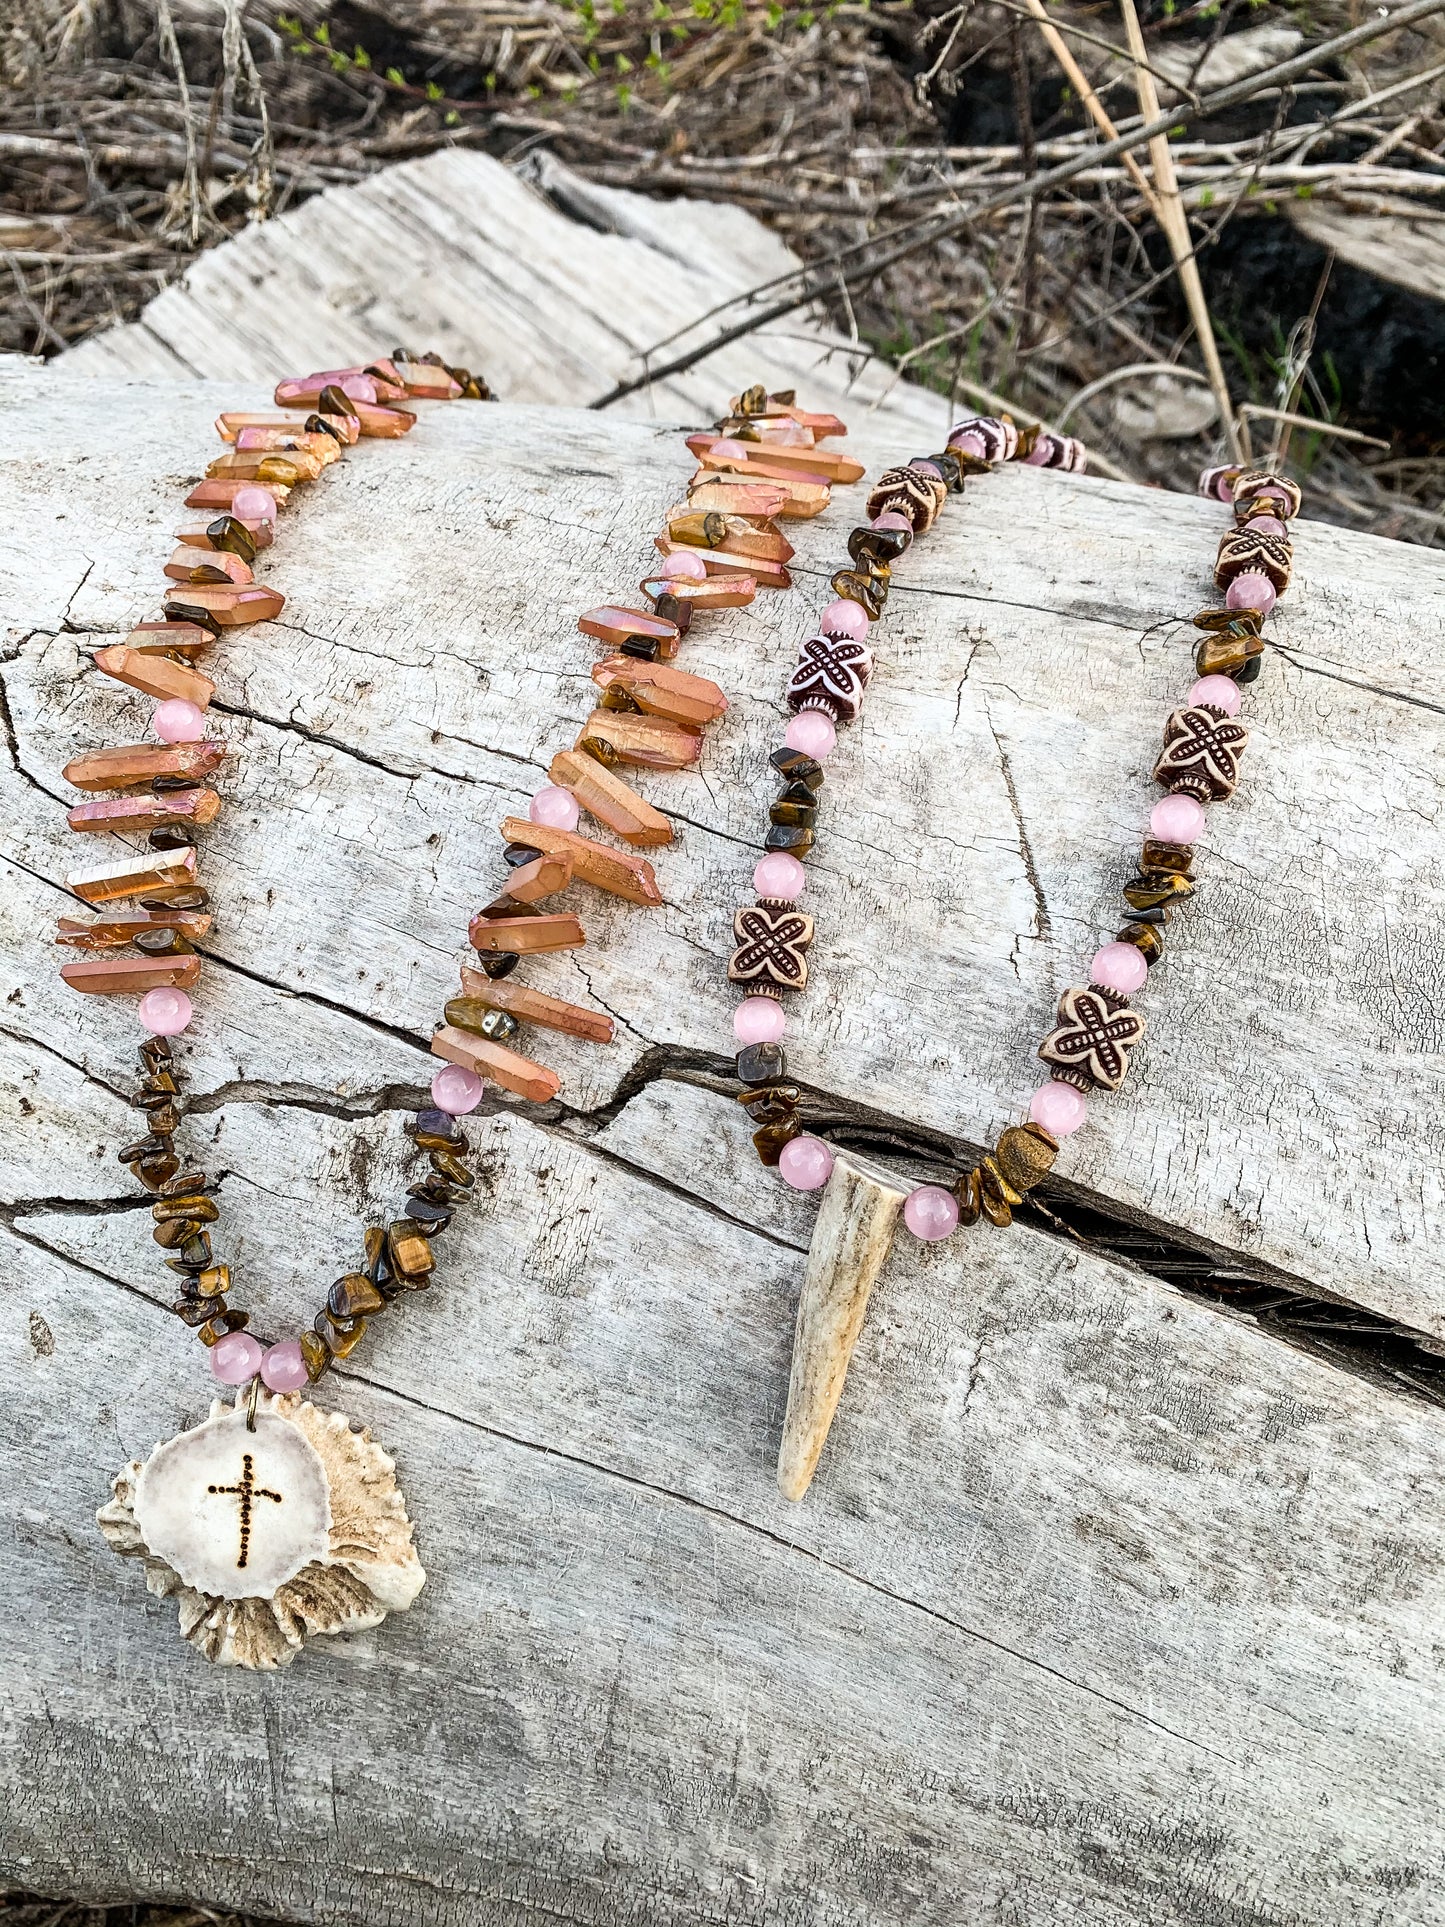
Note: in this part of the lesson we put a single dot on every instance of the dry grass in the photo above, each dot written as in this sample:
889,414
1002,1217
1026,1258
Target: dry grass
135,132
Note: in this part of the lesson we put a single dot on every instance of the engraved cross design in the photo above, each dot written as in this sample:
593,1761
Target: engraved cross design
771,946
1197,743
246,1490
1093,1038
833,666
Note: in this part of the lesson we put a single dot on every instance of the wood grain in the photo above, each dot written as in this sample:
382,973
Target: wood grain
1104,1605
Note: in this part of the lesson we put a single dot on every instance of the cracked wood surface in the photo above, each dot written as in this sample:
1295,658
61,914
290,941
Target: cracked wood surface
1105,1605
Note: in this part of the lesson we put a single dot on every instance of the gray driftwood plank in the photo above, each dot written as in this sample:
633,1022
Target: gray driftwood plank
1105,1605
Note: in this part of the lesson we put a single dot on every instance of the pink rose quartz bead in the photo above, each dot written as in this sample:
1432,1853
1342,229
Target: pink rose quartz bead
725,445
844,618
1266,525
811,734
970,443
759,1020
283,1369
925,467
1119,966
1217,692
456,1090
1251,591
236,1358
806,1163
178,721
891,519
779,875
685,568
1177,819
1059,1108
165,1012
253,504
556,807
931,1213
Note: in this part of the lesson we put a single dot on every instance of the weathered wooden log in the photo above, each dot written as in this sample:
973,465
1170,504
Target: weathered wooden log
1103,1597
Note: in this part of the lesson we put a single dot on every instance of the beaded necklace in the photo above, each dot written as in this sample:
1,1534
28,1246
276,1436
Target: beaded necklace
1096,1031
272,1521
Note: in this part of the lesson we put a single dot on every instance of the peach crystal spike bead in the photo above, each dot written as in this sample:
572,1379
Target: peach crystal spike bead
345,427
505,1067
649,742
168,638
617,872
811,464
617,627
116,976
733,496
135,763
125,814
716,592
605,796
264,466
524,935
659,690
800,500
324,447
530,1006
543,877
133,876
155,675
109,933
767,575
228,608
742,534
219,495
207,565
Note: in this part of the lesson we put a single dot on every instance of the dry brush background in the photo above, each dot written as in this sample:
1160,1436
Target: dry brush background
134,133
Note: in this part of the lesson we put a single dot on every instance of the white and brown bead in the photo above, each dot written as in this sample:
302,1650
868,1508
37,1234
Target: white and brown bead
831,675
1258,481
1057,451
989,438
911,492
1200,758
1218,483
770,946
1252,550
1090,1045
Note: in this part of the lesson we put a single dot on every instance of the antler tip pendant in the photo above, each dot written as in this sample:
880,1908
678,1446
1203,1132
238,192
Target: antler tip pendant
851,1240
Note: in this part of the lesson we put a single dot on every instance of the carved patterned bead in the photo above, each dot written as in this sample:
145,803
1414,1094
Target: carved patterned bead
1000,438
1254,482
831,675
909,492
1201,753
1247,549
1057,451
770,947
1093,1038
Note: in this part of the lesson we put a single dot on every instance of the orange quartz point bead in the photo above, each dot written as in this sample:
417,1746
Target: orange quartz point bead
616,871
531,1006
230,607
605,796
134,763
146,812
155,675
614,625
660,690
190,565
505,1067
117,976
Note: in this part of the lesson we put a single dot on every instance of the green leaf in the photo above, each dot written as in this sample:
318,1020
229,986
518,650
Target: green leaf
396,77
624,65
433,91
451,118
361,57
322,35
